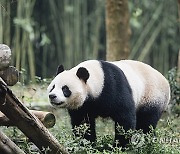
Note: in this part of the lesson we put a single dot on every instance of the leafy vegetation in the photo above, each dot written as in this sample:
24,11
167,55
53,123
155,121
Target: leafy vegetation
173,76
166,140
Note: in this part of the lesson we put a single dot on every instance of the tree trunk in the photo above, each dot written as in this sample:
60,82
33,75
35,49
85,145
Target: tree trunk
117,29
27,122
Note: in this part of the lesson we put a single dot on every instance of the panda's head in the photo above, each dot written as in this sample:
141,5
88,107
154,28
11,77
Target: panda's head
68,89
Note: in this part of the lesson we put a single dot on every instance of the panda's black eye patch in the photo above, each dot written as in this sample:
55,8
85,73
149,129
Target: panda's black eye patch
66,91
52,88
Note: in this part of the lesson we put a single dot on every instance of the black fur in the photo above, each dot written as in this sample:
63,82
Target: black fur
83,74
148,115
115,101
59,69
66,91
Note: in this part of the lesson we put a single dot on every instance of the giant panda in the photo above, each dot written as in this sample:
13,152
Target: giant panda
131,93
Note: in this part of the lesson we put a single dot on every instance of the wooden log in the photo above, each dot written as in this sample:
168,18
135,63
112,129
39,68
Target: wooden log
10,75
28,123
4,121
3,81
5,56
47,118
7,146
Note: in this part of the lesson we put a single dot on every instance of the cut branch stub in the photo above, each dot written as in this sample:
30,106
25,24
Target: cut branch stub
10,75
5,56
47,118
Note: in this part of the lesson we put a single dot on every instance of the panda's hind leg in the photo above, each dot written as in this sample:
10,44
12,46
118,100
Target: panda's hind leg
147,115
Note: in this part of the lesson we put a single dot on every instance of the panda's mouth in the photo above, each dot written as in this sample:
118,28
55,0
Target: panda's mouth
56,103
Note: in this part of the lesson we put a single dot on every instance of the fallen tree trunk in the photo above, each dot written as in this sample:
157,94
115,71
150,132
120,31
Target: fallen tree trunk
7,146
47,118
28,123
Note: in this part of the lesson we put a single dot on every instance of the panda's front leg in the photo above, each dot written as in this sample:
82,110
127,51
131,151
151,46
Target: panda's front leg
79,119
90,133
127,122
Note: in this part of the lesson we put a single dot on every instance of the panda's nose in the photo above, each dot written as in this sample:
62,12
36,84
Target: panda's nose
52,96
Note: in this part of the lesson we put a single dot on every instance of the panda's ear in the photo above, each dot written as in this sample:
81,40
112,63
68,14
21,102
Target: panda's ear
59,69
83,74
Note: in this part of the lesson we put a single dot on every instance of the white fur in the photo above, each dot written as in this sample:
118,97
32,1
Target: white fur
79,89
95,82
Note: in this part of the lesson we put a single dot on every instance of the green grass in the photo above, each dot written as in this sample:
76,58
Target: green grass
166,141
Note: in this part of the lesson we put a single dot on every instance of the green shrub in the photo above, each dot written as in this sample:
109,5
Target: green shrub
175,90
163,140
